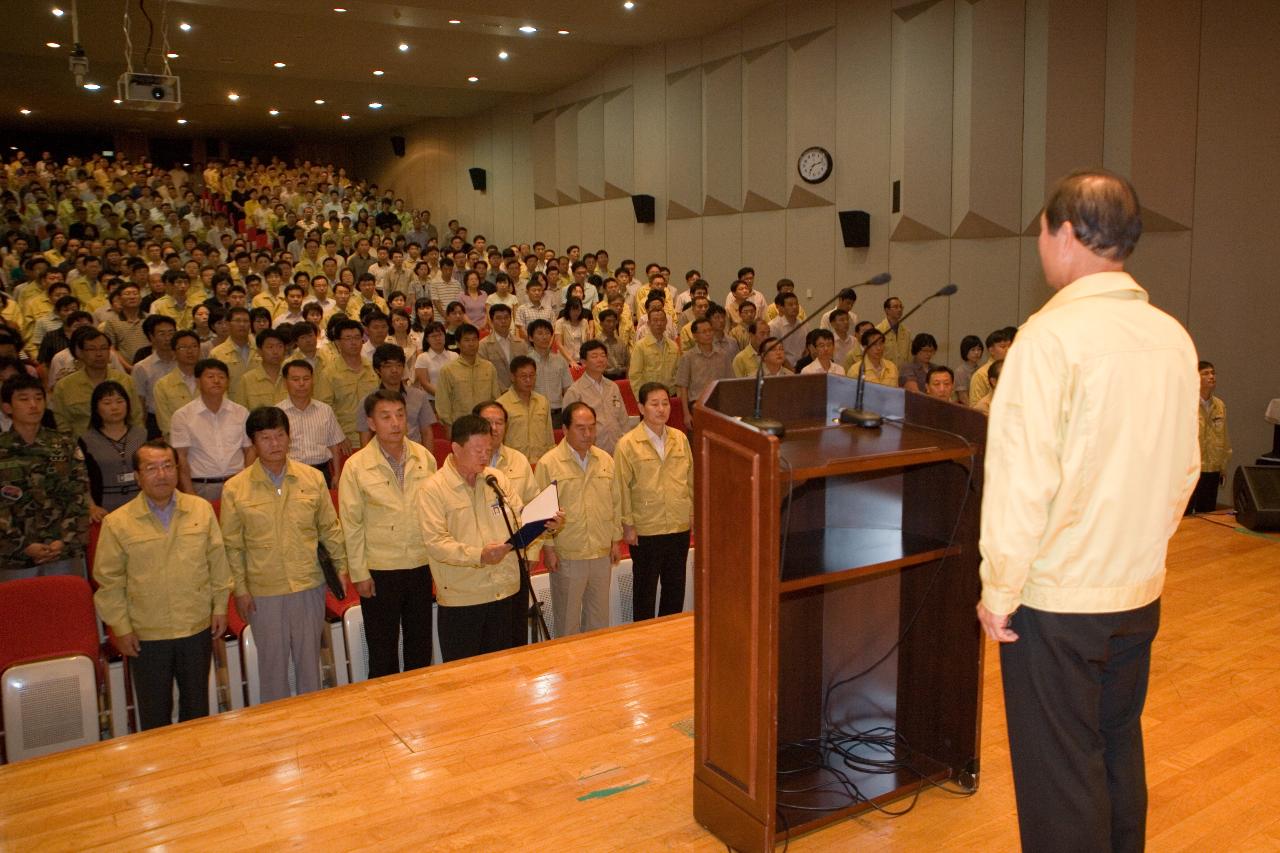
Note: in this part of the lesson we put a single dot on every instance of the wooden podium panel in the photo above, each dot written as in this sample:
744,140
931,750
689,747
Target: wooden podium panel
831,552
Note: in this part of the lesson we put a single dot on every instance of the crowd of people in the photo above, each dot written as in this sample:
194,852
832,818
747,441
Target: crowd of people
253,334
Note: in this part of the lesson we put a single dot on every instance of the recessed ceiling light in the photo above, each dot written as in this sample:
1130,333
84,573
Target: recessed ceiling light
273,112
562,32
116,101
53,44
232,96
182,121
502,54
185,27
375,105
92,87
454,21
528,29
628,5
473,79
378,72
278,64
319,102
403,47
345,117
25,111
171,56
57,13
339,9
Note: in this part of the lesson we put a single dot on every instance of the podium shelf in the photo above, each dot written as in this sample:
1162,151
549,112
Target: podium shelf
828,450
837,554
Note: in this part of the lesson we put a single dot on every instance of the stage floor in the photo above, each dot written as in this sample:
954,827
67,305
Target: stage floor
585,744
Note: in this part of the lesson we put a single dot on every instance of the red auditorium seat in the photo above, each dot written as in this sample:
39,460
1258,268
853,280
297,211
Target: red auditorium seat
628,398
440,449
576,371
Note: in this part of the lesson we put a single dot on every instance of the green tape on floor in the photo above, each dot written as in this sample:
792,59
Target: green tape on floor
609,792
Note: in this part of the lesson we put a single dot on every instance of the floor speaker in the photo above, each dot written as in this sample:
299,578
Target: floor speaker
479,179
1256,490
855,228
397,146
644,208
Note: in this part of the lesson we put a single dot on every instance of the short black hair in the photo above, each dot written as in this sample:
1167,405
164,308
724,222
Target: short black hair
152,320
590,346
385,353
468,426
380,396
265,418
939,368
1102,208
967,343
999,336
650,387
539,324
576,405
922,340
21,382
297,362
211,364
153,444
272,335
105,389
522,361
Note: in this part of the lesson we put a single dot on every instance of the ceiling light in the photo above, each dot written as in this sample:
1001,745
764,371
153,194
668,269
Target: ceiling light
339,9
628,5
562,32
53,44
528,29
454,21
171,56
403,47
502,54
319,102
345,117
378,72
25,111
375,105
185,27
273,112
233,97
278,64
92,87
116,101
182,121
57,13
473,79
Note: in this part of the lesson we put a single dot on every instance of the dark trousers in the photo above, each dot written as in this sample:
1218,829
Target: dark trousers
1205,496
1074,687
327,470
521,606
653,559
401,603
477,629
162,662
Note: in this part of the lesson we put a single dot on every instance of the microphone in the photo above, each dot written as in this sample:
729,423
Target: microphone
859,416
773,426
492,482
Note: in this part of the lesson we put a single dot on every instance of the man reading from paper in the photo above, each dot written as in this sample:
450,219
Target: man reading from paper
476,572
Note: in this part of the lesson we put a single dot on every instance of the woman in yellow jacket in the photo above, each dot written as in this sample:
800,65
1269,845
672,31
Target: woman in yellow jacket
654,464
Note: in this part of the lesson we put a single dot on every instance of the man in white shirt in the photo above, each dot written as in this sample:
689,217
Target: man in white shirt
316,437
601,394
150,370
1081,497
824,345
209,435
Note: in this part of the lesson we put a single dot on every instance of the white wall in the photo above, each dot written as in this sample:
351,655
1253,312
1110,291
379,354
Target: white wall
974,106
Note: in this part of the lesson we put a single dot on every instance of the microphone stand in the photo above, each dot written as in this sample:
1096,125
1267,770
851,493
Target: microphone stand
859,416
773,426
535,607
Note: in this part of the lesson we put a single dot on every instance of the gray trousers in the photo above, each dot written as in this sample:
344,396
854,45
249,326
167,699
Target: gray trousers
209,491
580,595
287,626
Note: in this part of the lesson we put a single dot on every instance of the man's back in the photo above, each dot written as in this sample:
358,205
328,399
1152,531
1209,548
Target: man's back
1092,448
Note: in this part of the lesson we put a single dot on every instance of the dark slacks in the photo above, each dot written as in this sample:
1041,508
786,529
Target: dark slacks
401,603
653,559
1205,496
158,665
1074,687
325,469
477,629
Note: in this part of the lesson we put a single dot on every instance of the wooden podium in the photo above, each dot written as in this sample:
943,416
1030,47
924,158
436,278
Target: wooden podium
829,552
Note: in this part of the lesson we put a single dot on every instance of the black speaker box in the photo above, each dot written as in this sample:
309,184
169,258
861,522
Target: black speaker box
1256,490
397,145
855,228
643,205
479,179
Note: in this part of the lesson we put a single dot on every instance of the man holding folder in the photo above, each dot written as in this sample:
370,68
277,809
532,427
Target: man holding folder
476,571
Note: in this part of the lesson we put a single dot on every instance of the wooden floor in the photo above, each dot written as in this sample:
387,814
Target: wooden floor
537,749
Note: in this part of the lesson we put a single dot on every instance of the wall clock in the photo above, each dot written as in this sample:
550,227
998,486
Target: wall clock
814,165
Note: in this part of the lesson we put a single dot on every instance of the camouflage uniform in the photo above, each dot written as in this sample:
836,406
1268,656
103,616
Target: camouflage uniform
44,495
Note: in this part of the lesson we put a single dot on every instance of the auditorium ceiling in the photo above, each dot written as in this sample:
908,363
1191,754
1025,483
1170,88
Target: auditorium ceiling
237,47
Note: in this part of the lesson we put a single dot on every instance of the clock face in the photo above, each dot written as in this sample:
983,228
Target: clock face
814,165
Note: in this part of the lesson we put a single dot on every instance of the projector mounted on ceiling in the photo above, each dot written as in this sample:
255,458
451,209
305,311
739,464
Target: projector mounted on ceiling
151,92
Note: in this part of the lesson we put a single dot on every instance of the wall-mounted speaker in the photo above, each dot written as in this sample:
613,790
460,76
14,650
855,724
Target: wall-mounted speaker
855,228
479,179
397,146
1256,489
644,208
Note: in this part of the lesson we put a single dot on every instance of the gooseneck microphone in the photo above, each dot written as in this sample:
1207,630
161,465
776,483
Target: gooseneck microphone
773,426
859,416
492,482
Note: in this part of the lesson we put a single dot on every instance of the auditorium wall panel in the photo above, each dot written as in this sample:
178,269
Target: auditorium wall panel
976,106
